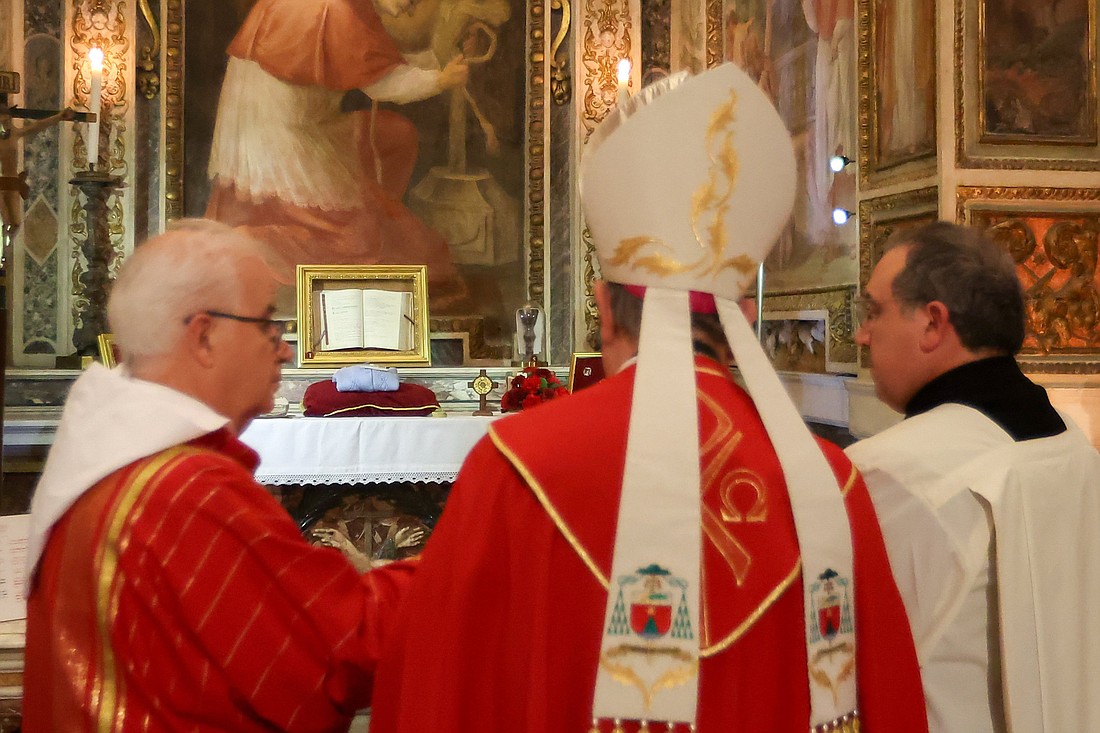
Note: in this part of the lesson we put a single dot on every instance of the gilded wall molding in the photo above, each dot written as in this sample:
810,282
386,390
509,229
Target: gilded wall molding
880,217
173,109
965,196
715,41
836,302
102,24
1052,235
606,36
537,89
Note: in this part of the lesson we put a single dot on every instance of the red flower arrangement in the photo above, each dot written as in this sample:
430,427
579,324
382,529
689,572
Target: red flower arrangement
532,386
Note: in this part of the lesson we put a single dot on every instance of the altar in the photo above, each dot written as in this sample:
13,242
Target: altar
362,450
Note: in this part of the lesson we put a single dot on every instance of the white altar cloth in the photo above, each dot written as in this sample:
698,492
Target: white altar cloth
361,450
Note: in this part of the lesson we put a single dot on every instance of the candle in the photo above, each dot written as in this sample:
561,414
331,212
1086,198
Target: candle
95,62
624,80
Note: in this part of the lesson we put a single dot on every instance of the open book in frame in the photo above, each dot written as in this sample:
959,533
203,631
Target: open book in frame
350,314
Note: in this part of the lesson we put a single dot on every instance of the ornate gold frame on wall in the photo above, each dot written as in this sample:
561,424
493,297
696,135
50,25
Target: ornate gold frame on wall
836,303
1038,202
537,173
1012,153
872,171
880,217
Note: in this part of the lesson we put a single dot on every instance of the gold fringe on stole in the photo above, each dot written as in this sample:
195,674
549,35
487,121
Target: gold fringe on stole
845,724
644,727
595,726
618,727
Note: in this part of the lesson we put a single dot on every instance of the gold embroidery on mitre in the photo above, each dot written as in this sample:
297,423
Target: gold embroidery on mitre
710,206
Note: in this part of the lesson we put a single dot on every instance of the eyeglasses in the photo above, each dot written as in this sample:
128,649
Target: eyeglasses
272,327
865,310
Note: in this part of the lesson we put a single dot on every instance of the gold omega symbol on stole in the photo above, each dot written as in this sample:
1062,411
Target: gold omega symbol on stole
733,552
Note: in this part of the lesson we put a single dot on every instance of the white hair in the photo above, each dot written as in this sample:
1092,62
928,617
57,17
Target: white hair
196,265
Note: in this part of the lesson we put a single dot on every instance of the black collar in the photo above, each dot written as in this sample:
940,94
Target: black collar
998,389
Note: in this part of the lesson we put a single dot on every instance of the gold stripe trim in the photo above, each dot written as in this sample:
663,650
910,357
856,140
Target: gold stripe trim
737,633
711,371
379,407
555,517
110,717
851,482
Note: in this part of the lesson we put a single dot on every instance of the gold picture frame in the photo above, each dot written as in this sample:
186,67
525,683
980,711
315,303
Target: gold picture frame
314,279
108,351
882,78
518,98
1004,119
585,369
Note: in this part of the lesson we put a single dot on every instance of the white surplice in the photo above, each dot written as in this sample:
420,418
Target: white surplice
941,482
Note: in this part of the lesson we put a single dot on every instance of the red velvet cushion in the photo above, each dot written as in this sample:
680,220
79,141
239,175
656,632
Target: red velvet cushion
322,400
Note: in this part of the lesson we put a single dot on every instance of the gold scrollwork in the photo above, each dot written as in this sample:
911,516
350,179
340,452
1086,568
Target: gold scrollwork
709,207
605,38
102,24
1055,250
625,674
148,79
715,51
561,85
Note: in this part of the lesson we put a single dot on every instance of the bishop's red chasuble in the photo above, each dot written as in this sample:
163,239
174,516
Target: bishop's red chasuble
177,595
501,629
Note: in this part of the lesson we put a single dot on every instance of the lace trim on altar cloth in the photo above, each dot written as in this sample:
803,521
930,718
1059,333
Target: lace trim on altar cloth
358,479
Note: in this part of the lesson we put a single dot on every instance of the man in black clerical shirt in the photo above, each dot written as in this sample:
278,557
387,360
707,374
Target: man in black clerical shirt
980,449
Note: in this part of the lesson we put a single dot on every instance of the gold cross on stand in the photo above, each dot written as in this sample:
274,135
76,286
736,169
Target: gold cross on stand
483,384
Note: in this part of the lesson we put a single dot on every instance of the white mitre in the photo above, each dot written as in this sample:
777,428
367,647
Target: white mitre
686,188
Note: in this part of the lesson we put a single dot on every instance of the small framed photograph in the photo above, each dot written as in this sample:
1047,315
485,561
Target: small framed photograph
585,370
349,314
108,352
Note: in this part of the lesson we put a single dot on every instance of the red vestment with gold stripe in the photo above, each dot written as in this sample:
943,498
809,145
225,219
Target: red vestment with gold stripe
177,594
501,629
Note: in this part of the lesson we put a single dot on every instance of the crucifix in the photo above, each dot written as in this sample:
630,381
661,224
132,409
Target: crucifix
483,384
13,190
13,184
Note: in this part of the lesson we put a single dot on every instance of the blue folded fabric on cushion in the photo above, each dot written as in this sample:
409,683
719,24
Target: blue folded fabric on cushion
366,378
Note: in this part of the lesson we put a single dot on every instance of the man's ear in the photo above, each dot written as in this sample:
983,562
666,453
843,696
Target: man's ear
938,327
198,341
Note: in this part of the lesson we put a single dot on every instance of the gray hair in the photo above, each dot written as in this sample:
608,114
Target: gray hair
626,310
196,265
967,272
